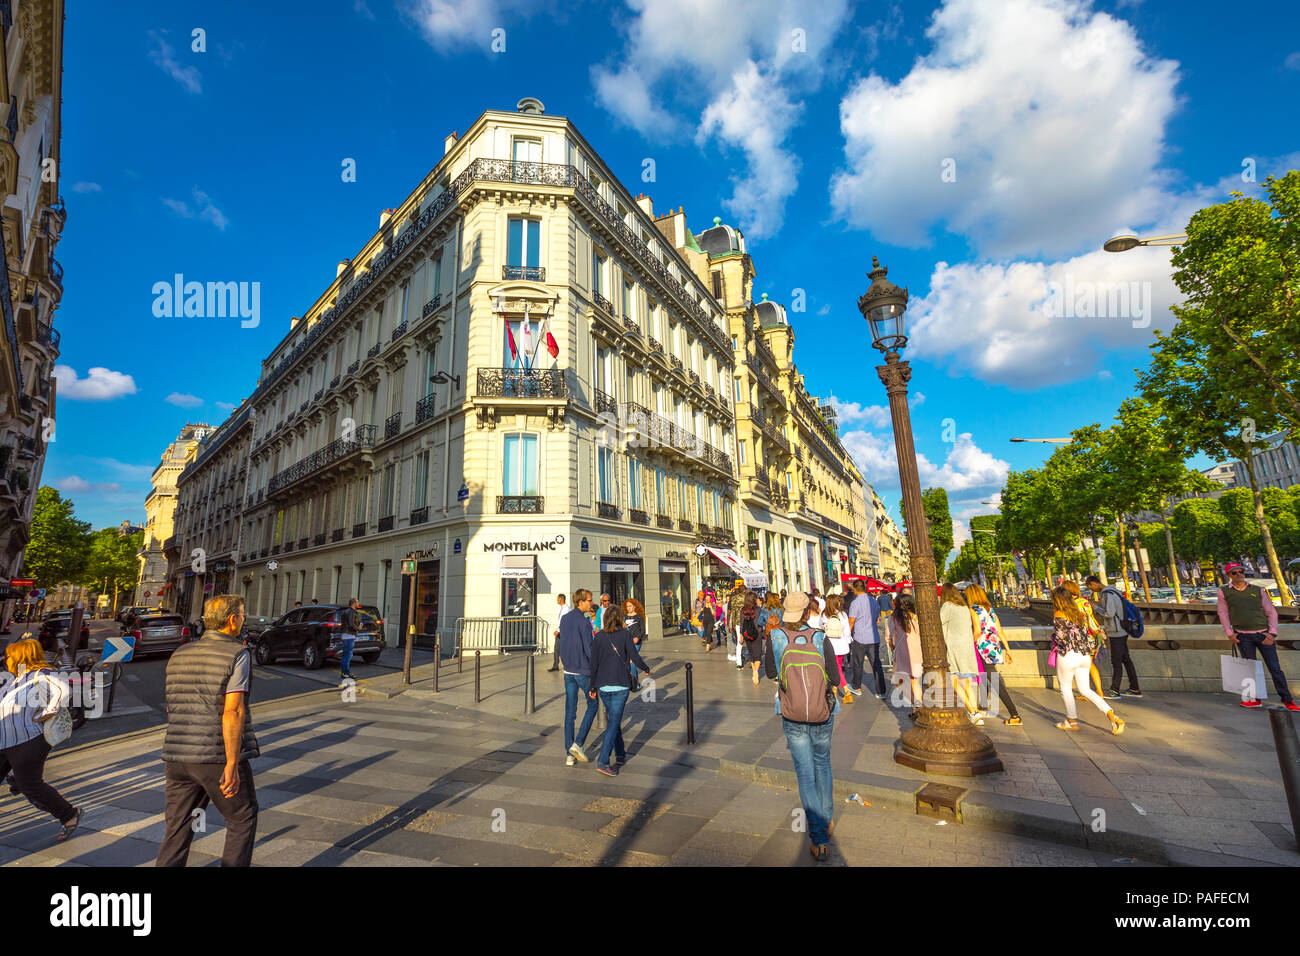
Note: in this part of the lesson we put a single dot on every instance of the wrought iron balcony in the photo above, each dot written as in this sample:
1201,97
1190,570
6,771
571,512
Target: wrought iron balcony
337,535
398,332
663,521
25,403
47,335
684,525
263,554
261,493
638,516
317,396
533,273
373,351
27,448
354,366
359,529
392,426
694,376
302,542
420,515
602,302
604,402
335,451
11,121
288,547
334,382
674,361
631,326
607,510
275,549
386,522
654,344
521,383
303,407
319,539
431,306
520,504
424,408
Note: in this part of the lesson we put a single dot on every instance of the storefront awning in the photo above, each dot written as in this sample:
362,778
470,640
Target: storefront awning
752,576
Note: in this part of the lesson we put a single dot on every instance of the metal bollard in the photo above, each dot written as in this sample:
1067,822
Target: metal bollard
460,658
1288,758
478,668
690,705
437,660
528,680
532,683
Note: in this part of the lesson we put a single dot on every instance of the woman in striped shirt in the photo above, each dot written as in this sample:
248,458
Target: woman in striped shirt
28,698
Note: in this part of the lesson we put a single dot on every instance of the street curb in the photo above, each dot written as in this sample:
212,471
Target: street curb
126,712
991,811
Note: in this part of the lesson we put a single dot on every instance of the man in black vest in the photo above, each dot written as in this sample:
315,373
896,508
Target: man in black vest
209,740
1250,621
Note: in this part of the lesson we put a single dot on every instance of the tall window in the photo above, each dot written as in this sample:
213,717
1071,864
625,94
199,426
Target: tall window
629,296
597,272
699,502
607,475
429,368
420,488
661,491
363,500
717,285
406,303
386,492
519,465
634,483
528,150
523,243
437,277
742,454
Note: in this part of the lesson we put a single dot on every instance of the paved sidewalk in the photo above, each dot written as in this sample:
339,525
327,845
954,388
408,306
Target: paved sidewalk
414,778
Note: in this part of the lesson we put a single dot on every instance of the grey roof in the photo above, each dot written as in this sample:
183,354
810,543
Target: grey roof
770,313
720,239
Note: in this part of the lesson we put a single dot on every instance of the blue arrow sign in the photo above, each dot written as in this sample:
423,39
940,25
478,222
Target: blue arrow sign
118,649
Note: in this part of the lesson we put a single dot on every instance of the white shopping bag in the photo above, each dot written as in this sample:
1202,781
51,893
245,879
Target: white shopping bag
1243,677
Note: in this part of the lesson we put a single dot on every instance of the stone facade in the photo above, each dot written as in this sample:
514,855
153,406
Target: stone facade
160,513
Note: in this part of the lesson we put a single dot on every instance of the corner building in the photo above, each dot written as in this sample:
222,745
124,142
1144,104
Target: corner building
394,422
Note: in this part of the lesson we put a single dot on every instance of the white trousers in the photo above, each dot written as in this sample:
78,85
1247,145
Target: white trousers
1072,669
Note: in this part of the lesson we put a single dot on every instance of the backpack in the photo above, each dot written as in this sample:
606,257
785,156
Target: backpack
1131,623
986,636
834,627
805,692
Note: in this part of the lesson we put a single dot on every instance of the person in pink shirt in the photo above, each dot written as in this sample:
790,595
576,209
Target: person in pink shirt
1250,621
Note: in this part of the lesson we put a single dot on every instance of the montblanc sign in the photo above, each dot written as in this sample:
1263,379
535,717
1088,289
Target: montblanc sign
524,545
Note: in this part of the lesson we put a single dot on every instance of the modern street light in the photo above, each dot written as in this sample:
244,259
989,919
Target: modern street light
1126,242
943,739
1059,441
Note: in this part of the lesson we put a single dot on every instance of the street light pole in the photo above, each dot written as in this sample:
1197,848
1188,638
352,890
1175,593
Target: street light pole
943,740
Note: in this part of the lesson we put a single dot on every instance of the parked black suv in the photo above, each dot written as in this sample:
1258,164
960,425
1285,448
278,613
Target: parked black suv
56,626
312,635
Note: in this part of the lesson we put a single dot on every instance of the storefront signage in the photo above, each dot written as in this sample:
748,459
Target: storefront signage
426,553
675,554
625,549
22,582
668,567
607,565
524,545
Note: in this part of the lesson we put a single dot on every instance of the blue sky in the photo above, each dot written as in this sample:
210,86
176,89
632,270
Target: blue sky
982,148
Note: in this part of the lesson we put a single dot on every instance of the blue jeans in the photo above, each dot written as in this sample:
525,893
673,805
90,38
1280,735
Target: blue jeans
345,659
810,746
615,701
573,686
1247,644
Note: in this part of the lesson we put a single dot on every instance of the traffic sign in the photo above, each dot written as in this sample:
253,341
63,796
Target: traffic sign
118,649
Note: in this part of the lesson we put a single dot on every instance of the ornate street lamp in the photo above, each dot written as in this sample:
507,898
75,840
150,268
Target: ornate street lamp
943,739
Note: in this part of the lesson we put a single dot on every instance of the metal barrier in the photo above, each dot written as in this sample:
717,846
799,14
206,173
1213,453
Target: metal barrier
505,635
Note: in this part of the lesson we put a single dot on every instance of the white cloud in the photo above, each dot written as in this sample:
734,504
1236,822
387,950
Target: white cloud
773,173
203,209
99,385
1293,61
852,413
361,8
225,406
86,187
967,467
124,470
748,71
824,310
916,400
165,57
74,485
448,24
1053,114
183,400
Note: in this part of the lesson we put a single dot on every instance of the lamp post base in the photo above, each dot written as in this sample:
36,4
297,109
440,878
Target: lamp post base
944,741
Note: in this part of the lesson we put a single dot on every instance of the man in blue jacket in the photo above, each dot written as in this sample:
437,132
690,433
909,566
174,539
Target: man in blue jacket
574,646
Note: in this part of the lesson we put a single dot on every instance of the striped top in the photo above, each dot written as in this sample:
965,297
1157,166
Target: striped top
24,698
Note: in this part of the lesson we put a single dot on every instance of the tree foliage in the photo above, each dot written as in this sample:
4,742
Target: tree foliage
939,518
59,547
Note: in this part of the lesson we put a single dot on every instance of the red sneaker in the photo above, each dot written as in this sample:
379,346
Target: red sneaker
1253,703
1292,705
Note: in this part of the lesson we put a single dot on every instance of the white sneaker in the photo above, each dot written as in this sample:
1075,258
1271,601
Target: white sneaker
576,751
569,761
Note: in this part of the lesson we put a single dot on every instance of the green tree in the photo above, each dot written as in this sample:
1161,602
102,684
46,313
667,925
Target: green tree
114,560
939,518
1200,530
59,545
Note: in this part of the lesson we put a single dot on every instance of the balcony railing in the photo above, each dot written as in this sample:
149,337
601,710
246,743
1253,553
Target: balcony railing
631,326
288,547
424,408
334,382
533,273
521,383
684,525
373,350
392,426
605,402
519,504
386,523
359,529
354,366
56,272
431,306
663,521
275,549
607,510
398,332
302,542
320,539
602,302
654,344
334,451
303,407
337,535
317,396
420,515
638,516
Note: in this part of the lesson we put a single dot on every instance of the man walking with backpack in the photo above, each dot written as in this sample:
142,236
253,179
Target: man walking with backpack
802,662
1111,612
1250,621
